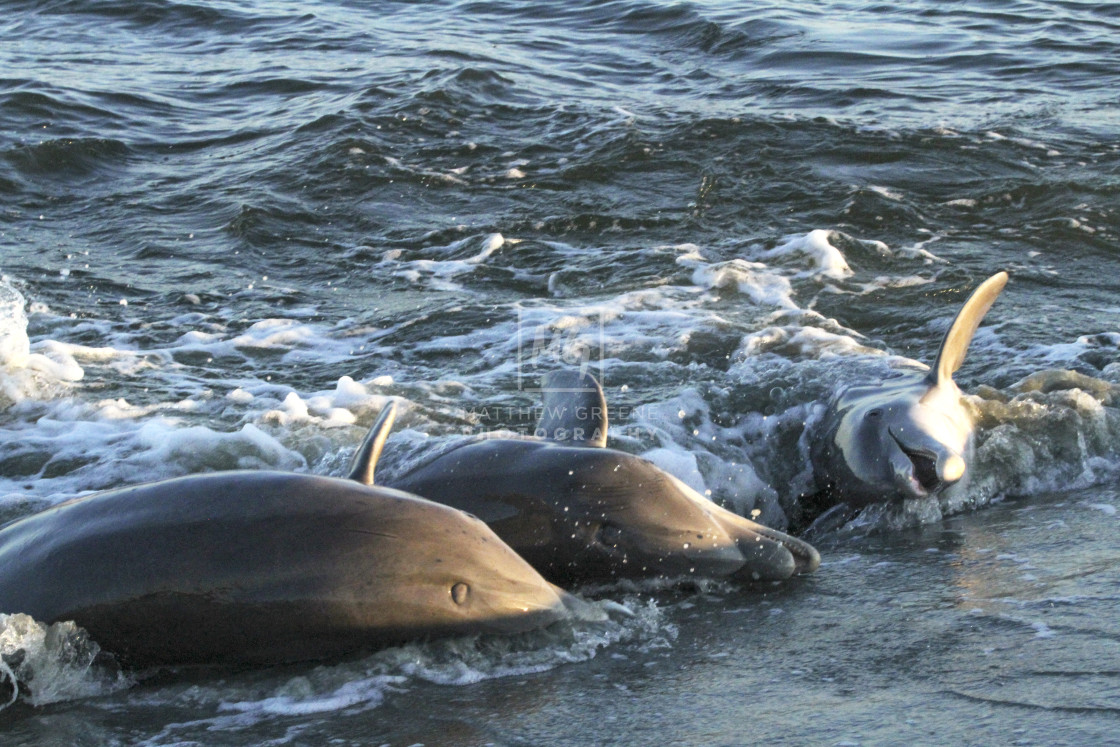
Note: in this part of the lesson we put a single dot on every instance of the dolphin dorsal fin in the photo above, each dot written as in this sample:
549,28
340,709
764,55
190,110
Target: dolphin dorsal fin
574,409
957,339
365,458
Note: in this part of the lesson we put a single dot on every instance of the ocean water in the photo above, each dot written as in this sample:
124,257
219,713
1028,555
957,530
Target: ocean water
231,232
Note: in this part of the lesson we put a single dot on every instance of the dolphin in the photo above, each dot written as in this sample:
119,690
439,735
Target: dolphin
580,512
908,436
242,568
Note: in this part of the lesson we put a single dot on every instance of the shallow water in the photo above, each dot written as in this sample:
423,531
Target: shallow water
983,628
230,233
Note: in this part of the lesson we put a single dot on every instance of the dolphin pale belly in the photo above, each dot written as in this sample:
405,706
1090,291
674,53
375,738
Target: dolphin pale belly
264,567
578,511
908,436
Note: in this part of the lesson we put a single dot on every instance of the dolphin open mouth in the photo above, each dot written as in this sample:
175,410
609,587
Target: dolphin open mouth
924,466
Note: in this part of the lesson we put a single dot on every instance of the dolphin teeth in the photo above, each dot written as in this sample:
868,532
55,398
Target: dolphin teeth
925,470
924,466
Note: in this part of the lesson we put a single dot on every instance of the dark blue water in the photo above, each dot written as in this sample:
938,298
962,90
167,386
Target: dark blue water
230,232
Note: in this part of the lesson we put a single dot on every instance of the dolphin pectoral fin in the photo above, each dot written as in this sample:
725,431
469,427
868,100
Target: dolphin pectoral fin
957,339
574,409
365,458
770,555
720,555
765,560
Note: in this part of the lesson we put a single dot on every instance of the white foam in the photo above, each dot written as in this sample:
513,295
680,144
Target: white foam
271,334
1063,354
890,194
1105,508
751,279
364,684
827,260
918,251
695,450
440,274
448,177
689,254
672,322
299,697
240,396
534,336
26,370
1042,630
801,342
329,409
15,347
198,448
679,463
80,448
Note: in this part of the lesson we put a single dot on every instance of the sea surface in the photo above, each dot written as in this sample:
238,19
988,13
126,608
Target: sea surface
231,232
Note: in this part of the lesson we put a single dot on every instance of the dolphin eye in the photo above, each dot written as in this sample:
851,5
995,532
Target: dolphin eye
609,534
876,414
460,592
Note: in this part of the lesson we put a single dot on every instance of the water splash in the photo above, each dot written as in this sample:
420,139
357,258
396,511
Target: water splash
52,663
24,373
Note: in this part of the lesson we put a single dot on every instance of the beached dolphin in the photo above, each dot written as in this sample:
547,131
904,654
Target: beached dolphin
578,511
265,567
908,436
